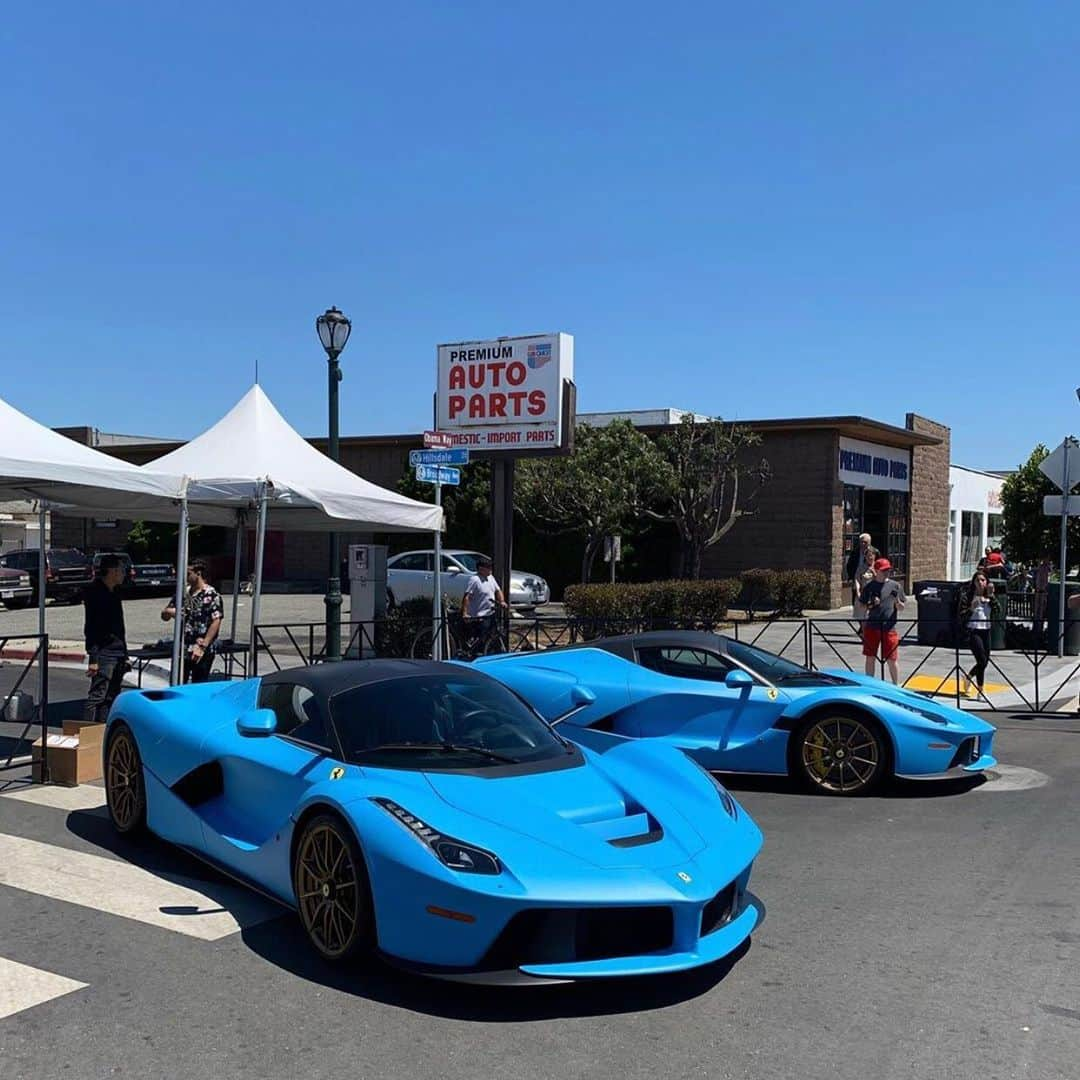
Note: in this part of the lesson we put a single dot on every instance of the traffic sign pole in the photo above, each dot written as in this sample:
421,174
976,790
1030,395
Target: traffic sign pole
436,614
1064,543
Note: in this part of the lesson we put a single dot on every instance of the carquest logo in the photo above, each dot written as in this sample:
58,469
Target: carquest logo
685,878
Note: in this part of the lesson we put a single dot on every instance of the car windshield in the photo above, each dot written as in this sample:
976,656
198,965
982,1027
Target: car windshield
768,665
468,559
440,722
63,560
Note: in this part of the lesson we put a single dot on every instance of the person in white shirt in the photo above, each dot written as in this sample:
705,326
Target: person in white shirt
482,599
978,608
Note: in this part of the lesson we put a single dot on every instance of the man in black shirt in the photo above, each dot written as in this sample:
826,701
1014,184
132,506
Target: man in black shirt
106,640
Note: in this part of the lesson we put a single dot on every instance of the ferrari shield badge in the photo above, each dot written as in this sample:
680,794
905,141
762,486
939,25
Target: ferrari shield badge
337,773
773,693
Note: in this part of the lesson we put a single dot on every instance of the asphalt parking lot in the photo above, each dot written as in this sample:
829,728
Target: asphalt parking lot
929,930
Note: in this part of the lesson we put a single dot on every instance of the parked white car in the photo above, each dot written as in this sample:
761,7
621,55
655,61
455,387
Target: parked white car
411,574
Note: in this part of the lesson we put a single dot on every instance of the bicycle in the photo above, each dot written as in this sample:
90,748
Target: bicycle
465,646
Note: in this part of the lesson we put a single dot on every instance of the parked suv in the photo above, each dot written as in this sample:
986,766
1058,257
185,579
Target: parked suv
16,588
67,571
411,574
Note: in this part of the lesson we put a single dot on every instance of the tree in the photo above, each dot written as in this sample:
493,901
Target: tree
710,486
611,481
1027,533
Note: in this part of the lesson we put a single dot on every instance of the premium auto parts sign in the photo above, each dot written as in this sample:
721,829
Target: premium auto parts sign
504,394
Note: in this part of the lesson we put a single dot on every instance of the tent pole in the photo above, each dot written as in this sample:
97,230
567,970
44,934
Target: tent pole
42,567
176,674
43,660
260,544
236,572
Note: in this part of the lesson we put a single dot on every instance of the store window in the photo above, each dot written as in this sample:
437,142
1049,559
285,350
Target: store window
897,545
970,542
994,528
853,517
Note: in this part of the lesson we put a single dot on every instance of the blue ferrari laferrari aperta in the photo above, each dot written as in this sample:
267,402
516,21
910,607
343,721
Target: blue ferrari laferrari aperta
426,811
737,708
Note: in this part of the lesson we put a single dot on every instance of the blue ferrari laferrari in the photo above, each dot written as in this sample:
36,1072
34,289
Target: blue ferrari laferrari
737,708
425,811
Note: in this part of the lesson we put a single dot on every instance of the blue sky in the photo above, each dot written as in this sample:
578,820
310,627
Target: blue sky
777,209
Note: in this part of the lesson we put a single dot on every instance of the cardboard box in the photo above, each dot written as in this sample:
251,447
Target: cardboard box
71,762
90,733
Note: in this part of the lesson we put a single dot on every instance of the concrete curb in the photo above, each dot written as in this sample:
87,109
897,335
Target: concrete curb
55,655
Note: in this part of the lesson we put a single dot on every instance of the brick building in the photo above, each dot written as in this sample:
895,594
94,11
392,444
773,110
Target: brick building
832,478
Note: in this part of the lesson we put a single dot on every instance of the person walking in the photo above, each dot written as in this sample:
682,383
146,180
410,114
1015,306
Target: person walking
203,615
860,571
883,598
481,600
1041,583
106,639
977,607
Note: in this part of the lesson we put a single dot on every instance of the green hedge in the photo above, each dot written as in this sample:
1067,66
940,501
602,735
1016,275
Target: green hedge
680,601
784,592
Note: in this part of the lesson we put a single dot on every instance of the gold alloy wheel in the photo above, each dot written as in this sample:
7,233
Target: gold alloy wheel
841,754
329,890
124,782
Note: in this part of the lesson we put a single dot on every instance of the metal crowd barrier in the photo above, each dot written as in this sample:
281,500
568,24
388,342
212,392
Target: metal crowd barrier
14,707
813,642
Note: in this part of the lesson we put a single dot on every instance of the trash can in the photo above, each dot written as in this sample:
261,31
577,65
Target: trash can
937,612
1072,618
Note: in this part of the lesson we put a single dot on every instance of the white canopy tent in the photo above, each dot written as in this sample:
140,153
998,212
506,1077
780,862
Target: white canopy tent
41,464
253,460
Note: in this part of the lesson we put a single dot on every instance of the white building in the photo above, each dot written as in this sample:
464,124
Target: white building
975,518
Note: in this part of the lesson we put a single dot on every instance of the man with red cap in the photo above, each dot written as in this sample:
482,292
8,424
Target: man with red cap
884,599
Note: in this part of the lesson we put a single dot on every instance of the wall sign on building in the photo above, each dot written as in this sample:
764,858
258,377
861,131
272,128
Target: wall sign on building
505,394
869,465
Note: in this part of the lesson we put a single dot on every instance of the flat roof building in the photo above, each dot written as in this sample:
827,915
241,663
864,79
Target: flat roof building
833,477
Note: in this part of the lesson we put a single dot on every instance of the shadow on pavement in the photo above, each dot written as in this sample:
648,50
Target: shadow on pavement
283,943
891,789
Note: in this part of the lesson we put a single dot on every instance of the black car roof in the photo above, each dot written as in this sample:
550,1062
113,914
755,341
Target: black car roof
625,644
330,679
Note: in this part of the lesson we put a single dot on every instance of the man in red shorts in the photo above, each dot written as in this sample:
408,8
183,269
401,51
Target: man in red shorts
884,599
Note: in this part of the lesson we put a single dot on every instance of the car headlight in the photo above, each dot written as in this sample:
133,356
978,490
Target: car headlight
926,714
452,853
729,804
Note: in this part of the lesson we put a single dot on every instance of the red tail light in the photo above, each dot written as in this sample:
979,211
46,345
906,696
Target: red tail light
49,575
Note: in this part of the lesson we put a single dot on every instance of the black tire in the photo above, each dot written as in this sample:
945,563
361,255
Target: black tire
16,605
333,896
125,784
840,752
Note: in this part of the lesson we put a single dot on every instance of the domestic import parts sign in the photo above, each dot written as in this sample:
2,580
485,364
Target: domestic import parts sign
506,393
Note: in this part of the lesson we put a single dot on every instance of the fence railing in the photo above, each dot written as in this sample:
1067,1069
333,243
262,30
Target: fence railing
1028,676
18,704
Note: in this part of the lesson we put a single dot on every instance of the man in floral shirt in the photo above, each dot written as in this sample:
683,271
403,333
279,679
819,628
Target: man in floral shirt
203,614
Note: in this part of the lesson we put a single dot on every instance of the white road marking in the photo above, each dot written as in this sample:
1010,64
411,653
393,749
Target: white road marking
83,797
23,987
1012,778
120,888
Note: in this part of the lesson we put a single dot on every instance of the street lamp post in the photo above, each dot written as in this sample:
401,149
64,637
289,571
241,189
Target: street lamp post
334,329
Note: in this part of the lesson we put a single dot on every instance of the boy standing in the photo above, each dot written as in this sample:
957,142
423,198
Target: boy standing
884,599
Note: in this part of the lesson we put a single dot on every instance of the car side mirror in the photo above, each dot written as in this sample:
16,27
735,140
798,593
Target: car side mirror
257,723
581,697
738,679
453,570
